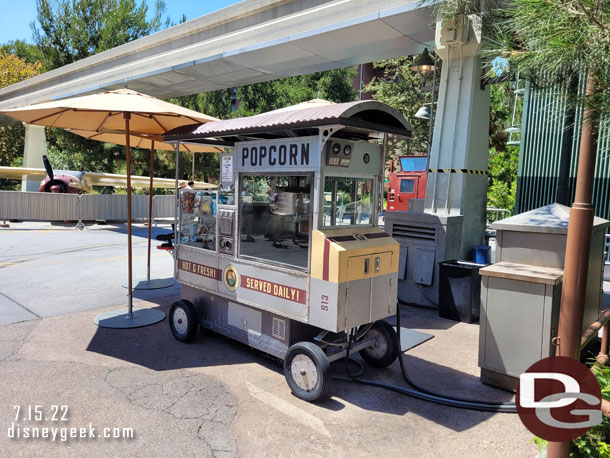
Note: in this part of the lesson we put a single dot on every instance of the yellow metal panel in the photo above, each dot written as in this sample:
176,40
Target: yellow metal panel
317,254
388,263
357,268
382,263
331,257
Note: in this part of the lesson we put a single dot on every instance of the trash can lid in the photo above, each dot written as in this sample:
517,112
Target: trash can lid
550,219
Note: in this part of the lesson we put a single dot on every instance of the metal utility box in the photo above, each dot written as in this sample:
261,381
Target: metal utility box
425,240
519,316
293,261
538,238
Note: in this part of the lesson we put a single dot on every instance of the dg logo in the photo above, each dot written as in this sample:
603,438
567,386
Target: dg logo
559,399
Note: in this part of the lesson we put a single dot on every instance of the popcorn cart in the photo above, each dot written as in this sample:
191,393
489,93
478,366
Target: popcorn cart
287,257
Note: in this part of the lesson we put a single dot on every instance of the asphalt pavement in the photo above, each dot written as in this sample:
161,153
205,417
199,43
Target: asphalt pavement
52,269
214,397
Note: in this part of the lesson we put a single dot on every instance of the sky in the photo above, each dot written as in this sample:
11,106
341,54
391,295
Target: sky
15,25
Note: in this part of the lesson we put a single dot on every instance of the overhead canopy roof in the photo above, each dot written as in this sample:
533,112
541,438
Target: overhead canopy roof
361,119
245,43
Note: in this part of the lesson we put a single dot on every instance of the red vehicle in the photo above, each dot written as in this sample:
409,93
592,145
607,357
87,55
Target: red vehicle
408,183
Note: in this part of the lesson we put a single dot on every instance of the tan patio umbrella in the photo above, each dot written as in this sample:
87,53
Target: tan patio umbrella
145,141
128,113
152,143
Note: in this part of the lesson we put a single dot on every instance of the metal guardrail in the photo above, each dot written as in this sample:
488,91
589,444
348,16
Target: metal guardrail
40,206
496,214
112,207
164,206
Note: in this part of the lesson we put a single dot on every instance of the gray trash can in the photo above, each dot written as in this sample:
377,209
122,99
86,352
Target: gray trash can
459,290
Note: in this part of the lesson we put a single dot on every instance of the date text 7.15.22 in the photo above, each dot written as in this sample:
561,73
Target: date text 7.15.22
40,413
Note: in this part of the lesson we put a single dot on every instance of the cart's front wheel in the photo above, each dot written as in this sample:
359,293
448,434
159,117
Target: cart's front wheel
385,349
183,320
307,371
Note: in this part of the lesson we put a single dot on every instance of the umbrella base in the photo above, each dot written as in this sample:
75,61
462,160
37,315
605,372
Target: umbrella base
119,319
158,283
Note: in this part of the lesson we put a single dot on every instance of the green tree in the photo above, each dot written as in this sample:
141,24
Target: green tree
547,42
401,89
70,30
550,41
503,158
26,51
214,103
334,85
12,70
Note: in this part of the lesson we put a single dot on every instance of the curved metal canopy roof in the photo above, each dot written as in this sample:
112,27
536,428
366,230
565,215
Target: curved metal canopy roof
361,119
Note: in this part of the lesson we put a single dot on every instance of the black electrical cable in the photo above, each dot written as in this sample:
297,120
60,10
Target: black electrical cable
425,395
423,390
427,307
350,340
360,367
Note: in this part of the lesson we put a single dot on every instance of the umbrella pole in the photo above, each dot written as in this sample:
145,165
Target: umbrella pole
176,211
117,318
126,117
150,204
158,283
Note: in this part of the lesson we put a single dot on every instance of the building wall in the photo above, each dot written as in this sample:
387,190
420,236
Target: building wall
542,136
364,74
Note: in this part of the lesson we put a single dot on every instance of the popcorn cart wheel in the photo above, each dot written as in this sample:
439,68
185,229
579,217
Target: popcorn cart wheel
183,320
307,371
385,350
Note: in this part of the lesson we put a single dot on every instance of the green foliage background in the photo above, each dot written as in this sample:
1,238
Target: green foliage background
12,70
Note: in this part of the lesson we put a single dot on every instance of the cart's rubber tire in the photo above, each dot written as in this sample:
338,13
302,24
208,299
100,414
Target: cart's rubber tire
385,351
183,320
307,371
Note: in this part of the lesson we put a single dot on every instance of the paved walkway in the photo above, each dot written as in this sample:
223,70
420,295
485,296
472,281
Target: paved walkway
218,398
51,269
213,397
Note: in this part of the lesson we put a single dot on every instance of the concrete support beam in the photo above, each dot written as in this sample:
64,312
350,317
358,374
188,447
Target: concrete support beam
453,221
459,152
35,147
